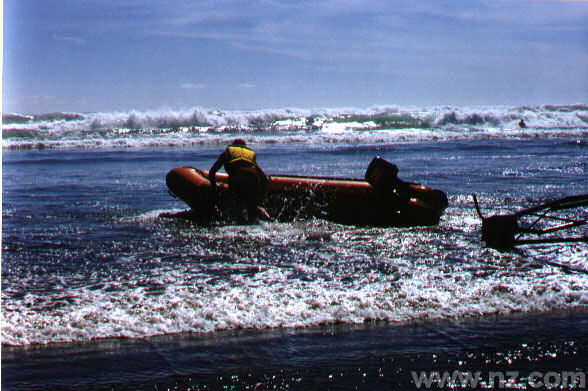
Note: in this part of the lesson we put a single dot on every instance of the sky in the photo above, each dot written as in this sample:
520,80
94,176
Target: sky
121,55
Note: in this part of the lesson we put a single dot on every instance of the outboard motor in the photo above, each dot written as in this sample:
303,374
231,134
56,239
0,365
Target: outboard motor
383,176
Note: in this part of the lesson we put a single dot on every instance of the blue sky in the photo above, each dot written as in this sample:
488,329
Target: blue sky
118,55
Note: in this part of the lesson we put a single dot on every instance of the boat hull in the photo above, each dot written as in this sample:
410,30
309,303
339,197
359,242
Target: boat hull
344,201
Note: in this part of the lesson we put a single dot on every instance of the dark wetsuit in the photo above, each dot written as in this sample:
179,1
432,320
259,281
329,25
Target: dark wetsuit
245,184
246,179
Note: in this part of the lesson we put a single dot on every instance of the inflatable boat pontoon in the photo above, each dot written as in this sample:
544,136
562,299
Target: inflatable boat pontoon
380,200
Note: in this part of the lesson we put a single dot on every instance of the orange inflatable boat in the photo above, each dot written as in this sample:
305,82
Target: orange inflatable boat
380,200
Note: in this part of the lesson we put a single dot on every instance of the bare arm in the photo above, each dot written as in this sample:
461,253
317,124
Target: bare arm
215,167
262,176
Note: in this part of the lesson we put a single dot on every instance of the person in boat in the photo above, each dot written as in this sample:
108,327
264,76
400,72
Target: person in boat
247,181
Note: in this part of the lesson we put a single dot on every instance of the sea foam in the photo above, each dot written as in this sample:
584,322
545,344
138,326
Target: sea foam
200,126
340,281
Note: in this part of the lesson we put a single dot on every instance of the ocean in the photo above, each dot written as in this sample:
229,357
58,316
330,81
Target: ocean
104,287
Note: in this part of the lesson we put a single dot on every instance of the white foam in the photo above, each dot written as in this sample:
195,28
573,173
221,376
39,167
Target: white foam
355,275
271,298
200,126
153,214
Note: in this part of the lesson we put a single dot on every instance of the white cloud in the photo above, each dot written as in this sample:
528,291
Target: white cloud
193,86
73,40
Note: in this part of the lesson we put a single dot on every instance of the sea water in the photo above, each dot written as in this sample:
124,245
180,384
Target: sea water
103,287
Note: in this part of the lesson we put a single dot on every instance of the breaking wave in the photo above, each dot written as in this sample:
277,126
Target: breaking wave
201,126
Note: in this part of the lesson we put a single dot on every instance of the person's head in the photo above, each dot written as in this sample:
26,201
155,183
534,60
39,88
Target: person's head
239,142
